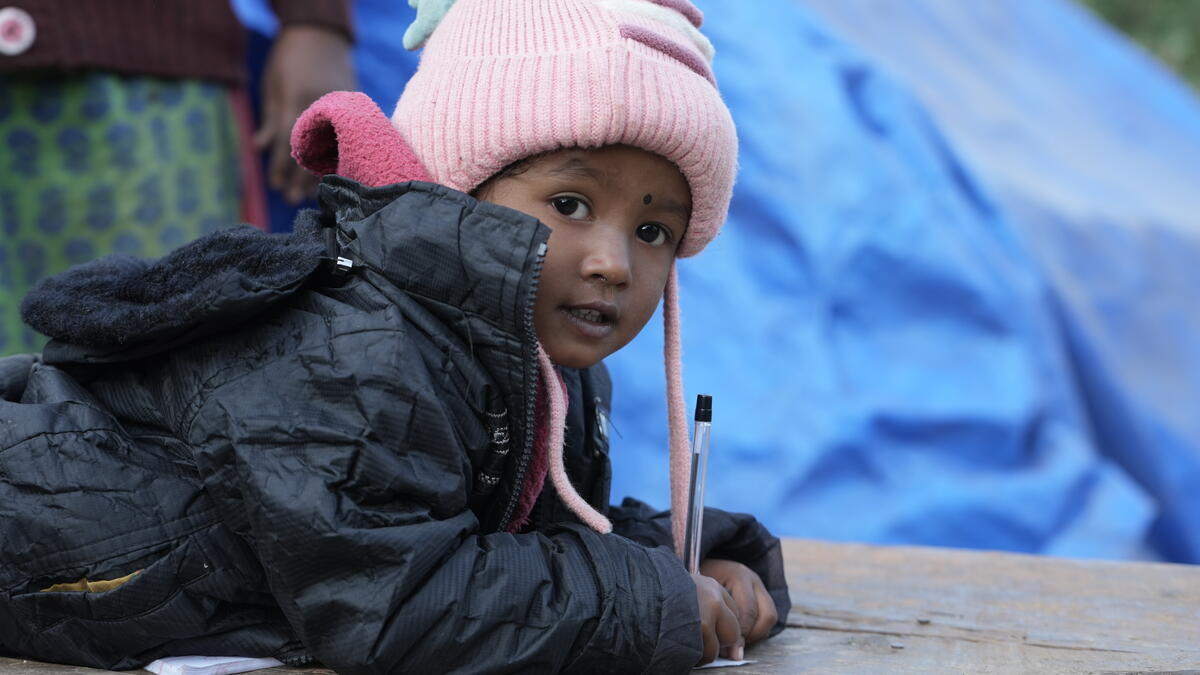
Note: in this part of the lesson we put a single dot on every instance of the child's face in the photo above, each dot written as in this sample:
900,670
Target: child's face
617,214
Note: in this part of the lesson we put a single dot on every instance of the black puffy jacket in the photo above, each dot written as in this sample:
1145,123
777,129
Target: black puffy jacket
286,457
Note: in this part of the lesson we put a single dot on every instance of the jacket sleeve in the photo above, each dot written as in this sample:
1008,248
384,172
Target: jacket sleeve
351,484
729,536
14,373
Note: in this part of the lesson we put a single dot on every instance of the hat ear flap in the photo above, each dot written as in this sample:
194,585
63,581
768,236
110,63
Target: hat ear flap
344,132
429,15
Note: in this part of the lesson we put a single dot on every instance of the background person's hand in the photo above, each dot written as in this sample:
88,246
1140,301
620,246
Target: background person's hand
755,609
718,618
305,63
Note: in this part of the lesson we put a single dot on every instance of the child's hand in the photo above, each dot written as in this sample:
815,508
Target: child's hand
718,618
755,609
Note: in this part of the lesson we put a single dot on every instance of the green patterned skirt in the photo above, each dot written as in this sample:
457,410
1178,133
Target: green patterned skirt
95,164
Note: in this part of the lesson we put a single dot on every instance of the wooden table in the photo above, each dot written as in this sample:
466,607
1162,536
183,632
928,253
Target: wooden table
894,609
898,610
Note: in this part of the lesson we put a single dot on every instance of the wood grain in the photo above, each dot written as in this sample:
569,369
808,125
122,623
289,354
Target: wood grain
861,608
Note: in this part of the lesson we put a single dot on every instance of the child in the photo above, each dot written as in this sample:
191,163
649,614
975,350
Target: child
380,443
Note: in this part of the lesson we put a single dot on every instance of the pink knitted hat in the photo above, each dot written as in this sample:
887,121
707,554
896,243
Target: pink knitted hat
502,80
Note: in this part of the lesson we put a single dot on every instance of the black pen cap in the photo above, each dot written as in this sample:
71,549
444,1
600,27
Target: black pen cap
703,408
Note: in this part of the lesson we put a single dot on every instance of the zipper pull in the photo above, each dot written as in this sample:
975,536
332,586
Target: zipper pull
340,264
498,446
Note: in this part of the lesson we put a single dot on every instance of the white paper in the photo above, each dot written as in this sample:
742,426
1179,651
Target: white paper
209,665
725,663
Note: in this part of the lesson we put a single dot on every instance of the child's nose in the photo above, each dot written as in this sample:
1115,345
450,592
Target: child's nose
607,260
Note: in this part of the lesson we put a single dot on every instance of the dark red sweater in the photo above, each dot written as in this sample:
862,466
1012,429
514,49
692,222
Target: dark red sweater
168,38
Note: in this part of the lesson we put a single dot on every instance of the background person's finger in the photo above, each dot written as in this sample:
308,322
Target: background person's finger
267,130
262,137
301,184
280,164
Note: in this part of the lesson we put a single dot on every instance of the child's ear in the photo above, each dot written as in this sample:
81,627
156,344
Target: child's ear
344,132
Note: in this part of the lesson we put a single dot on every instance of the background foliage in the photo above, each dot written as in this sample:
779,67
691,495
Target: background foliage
1168,28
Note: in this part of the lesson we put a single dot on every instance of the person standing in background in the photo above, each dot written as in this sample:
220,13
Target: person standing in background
126,128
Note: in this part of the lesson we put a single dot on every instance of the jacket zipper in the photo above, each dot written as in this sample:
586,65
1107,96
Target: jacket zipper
531,382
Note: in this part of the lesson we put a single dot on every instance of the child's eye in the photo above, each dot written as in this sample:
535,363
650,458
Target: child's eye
571,207
653,234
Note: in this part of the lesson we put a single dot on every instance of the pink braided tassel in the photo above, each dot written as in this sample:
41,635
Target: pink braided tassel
680,453
558,472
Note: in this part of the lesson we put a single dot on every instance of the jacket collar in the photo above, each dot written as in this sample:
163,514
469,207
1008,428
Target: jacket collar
473,265
442,245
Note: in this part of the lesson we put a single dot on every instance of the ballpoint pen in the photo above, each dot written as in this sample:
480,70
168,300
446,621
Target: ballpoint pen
695,514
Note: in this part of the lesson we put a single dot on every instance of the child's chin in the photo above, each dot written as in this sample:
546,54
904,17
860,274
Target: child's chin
573,356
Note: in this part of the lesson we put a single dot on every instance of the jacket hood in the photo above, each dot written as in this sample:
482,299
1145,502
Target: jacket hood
123,304
424,238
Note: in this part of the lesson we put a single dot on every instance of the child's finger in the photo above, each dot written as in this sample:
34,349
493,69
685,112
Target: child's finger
735,653
729,630
718,622
767,617
712,645
742,590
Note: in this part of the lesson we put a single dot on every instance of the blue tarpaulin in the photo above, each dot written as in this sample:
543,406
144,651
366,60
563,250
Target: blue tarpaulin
1091,152
954,301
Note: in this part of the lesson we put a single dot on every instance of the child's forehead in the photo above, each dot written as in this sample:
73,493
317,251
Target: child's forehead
576,156
599,162
574,165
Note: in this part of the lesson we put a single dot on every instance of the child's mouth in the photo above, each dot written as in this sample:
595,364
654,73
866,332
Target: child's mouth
592,322
584,314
